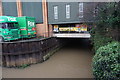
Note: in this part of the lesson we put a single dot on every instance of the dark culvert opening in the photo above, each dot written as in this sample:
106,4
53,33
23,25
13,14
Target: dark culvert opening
77,43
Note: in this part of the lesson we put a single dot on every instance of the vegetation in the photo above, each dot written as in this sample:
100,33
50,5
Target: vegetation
107,25
23,66
106,63
106,37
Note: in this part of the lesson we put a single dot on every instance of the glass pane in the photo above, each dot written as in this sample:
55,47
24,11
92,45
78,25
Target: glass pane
12,25
55,12
80,7
80,10
3,25
67,11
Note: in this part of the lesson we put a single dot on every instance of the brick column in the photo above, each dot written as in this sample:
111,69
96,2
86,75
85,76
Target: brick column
1,11
45,17
19,7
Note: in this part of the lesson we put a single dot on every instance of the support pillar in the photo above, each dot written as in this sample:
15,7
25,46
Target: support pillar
19,7
45,17
1,10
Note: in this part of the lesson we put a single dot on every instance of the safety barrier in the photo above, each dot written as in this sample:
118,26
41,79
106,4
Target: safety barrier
26,52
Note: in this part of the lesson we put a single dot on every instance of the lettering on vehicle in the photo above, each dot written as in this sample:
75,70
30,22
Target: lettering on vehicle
31,23
1,19
11,19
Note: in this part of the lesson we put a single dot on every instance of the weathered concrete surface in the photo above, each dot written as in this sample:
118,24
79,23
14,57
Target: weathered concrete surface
72,61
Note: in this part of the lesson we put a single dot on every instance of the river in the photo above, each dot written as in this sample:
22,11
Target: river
71,61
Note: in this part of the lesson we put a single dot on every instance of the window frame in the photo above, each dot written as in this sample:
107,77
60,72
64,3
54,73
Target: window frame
55,11
68,10
81,9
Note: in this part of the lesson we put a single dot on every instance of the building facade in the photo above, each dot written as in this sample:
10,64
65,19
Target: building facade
70,12
48,14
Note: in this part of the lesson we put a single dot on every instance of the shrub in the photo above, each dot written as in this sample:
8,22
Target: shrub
100,40
107,24
106,62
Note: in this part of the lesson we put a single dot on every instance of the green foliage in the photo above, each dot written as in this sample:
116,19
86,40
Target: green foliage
107,24
100,40
23,66
106,62
109,15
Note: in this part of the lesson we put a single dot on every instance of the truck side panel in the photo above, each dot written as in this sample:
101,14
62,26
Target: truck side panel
27,27
31,26
23,26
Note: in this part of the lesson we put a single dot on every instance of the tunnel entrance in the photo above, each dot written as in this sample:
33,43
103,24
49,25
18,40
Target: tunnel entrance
77,43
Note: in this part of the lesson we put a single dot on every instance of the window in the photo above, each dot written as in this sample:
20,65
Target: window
12,25
55,12
67,11
3,25
95,11
80,7
80,10
8,25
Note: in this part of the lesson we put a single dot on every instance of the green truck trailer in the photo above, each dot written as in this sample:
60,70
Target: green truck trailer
13,28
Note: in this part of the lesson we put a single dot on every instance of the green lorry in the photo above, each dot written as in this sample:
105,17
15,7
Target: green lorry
13,28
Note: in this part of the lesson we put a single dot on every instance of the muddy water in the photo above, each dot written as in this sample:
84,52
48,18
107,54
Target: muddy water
72,61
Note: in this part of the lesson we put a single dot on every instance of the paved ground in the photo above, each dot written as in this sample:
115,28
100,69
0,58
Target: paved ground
72,61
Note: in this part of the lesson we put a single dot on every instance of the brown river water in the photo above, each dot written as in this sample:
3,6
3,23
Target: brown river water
72,61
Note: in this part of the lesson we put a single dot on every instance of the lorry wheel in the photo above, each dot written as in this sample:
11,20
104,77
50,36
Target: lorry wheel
1,39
